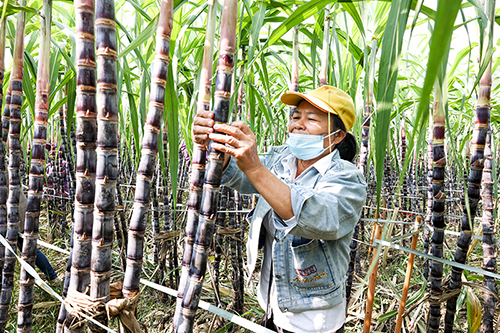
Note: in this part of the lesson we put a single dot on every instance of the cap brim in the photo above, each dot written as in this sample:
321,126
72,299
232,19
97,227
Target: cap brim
294,98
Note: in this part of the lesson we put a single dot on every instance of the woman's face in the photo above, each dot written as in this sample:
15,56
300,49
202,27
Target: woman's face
308,119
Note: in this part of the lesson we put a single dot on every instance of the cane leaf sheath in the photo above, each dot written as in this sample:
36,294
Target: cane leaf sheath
149,151
36,176
15,190
213,175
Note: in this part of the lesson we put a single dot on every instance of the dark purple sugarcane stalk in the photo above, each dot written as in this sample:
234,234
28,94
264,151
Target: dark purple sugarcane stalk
489,246
86,136
438,208
234,243
107,155
213,175
403,201
428,215
147,164
4,189
68,156
6,115
36,176
15,190
198,158
219,241
240,224
482,121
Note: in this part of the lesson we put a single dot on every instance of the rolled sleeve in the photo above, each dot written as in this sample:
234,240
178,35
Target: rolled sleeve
329,212
234,178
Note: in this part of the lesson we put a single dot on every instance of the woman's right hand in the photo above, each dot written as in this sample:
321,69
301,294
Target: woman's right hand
203,126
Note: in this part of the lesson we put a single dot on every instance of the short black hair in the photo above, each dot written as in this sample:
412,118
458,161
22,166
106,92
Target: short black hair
348,148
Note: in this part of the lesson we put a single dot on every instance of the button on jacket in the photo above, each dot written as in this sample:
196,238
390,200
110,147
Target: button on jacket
311,251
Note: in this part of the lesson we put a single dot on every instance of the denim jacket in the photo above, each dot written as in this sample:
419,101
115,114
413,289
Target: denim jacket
311,251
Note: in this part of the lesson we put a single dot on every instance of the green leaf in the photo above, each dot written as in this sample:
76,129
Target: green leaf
301,14
445,18
142,38
171,120
388,70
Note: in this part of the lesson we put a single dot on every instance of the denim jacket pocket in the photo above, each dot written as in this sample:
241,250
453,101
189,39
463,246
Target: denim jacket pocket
310,274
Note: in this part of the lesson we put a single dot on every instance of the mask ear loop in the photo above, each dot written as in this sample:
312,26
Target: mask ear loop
330,135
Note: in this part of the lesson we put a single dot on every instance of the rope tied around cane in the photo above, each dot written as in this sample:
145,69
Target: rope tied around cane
230,232
162,239
118,307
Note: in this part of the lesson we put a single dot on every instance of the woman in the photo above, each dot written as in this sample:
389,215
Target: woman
311,199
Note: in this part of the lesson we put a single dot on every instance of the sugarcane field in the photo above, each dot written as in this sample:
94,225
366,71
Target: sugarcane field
249,166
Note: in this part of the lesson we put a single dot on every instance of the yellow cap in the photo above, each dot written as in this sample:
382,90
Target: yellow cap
327,99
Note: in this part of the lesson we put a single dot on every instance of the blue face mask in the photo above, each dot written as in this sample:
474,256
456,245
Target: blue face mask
305,146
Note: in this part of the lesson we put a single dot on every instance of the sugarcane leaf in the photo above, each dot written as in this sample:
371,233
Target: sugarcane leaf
473,311
445,18
57,105
69,62
28,91
13,9
351,9
62,84
301,14
141,38
139,9
391,49
171,119
64,12
133,111
69,32
70,111
257,21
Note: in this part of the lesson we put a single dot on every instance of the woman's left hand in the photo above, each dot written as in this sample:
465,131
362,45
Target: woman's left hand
239,142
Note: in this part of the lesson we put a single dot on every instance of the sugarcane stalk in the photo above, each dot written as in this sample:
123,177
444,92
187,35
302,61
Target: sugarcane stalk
6,114
234,242
85,135
372,283
66,158
208,208
428,215
404,199
36,176
482,120
152,131
169,221
489,246
323,74
107,155
4,190
15,189
406,286
198,158
219,241
438,208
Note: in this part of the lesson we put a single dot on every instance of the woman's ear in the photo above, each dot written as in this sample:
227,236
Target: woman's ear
339,136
